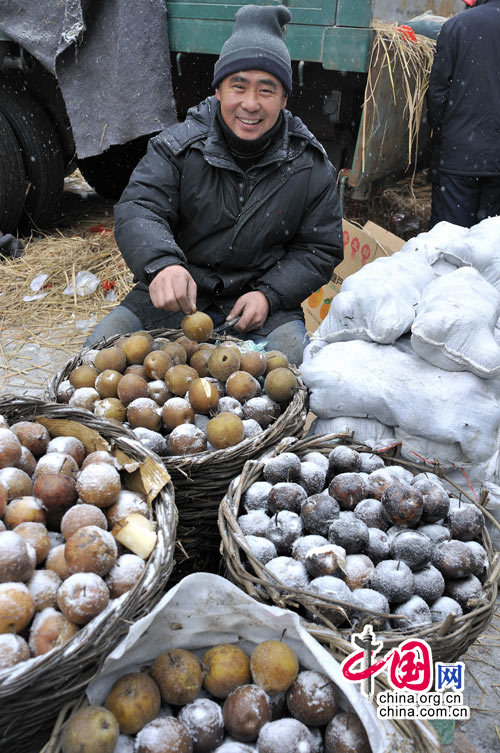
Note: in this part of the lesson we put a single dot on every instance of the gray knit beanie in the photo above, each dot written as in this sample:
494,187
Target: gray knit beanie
257,44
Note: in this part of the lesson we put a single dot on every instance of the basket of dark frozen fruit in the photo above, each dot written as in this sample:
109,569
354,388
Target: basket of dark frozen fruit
347,537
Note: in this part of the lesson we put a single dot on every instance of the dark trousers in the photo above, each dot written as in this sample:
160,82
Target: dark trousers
464,200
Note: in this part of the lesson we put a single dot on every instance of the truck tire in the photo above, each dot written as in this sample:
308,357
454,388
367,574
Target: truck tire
42,156
12,179
108,173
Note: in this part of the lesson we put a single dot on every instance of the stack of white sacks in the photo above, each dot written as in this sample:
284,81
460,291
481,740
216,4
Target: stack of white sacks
410,351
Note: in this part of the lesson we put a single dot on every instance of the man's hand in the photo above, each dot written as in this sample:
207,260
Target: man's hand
173,289
253,308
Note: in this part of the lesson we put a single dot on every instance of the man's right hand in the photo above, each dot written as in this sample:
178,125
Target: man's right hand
173,289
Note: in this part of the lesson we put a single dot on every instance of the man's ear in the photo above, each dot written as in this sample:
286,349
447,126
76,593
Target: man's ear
217,93
285,100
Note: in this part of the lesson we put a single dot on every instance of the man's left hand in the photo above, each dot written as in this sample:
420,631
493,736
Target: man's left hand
253,309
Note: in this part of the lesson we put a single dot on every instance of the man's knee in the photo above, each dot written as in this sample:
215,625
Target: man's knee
290,339
118,322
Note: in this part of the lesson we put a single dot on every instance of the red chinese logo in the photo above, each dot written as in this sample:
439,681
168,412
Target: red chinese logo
410,666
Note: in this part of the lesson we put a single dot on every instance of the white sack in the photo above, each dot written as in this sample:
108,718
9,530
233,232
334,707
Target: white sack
204,610
455,324
316,344
478,248
378,302
493,506
365,430
442,267
434,241
398,388
418,449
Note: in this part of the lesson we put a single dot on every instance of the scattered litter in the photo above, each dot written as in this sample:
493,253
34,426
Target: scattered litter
85,283
35,297
37,282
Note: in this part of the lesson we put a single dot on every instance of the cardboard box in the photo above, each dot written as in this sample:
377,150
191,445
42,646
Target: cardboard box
384,238
361,246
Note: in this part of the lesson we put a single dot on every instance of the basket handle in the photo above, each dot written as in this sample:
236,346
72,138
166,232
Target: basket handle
495,572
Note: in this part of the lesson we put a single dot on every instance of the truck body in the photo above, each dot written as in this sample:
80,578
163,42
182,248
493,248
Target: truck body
330,43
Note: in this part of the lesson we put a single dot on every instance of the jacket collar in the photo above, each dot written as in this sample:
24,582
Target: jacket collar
200,128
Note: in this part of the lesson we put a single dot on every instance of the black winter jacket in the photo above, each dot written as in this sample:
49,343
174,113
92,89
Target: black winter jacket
274,228
464,92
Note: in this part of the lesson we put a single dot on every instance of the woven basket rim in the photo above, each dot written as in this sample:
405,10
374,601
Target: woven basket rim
261,580
71,363
158,566
183,464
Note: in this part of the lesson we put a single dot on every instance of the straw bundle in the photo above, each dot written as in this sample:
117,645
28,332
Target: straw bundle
61,256
36,335
403,208
404,65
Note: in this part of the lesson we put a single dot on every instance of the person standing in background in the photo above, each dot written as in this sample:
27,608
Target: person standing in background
463,103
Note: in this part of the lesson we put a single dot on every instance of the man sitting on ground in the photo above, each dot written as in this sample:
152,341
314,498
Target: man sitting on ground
234,211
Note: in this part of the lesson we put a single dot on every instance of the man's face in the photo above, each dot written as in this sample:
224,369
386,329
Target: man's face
250,102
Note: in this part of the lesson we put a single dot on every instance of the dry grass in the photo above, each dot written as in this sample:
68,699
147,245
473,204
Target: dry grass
408,64
60,255
54,327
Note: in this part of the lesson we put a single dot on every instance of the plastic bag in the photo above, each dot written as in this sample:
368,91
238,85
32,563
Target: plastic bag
85,283
37,284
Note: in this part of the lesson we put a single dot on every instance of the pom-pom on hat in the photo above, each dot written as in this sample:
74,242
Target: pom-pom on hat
257,44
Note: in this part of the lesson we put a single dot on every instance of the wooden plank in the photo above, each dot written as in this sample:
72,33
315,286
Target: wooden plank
207,36
347,49
308,12
356,13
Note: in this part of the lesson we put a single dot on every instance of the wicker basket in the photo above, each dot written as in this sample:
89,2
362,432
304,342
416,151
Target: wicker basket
247,624
448,640
32,693
201,480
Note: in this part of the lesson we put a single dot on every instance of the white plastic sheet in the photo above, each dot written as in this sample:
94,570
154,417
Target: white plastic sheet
204,610
365,430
